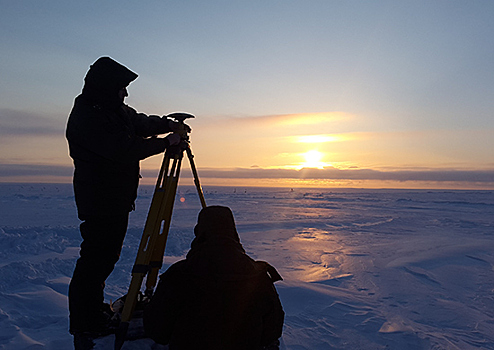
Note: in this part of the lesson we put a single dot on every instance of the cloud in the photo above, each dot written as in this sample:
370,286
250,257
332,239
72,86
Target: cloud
22,123
20,170
482,176
322,138
312,118
281,120
485,177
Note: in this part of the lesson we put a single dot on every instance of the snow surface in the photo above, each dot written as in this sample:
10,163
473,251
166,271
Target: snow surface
363,269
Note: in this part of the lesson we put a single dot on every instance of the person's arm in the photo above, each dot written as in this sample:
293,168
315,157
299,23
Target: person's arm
97,133
274,317
147,125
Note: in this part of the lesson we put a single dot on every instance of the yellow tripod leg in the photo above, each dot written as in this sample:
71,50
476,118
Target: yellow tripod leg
153,242
160,244
171,189
154,236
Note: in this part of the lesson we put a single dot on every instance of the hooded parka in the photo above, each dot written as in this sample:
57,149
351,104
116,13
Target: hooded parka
107,139
218,297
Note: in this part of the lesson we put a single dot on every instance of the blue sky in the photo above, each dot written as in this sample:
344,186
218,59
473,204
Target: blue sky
400,85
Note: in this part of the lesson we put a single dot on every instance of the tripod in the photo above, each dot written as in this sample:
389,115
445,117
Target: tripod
152,247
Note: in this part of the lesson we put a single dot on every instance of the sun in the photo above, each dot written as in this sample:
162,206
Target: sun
313,159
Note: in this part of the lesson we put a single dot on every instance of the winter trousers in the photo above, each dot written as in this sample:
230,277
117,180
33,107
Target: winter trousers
103,237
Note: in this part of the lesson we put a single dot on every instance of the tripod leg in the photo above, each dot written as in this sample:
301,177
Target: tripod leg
159,247
196,177
152,241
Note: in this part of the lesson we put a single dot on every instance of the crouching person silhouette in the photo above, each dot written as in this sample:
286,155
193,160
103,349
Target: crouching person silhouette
218,297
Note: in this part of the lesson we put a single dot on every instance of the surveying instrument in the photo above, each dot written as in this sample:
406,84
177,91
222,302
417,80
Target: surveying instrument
152,247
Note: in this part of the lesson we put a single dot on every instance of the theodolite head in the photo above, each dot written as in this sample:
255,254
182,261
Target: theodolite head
183,129
180,117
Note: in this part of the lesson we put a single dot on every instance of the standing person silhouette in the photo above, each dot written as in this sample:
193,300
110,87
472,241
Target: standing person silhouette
106,139
218,297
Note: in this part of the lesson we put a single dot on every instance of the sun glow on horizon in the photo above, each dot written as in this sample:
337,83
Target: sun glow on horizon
313,159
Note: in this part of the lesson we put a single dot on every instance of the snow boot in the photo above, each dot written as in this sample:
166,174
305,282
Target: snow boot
83,341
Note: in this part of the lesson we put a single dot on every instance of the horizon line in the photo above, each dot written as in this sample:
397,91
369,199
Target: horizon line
303,178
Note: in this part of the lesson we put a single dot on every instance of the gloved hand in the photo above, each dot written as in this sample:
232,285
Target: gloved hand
178,127
173,139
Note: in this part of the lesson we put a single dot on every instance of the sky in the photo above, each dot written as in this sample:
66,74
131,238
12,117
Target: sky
386,94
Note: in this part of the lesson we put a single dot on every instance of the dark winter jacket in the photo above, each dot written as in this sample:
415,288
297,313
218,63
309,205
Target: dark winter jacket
218,297
107,139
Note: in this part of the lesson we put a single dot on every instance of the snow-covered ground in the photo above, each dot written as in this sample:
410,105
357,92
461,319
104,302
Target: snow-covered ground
363,269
